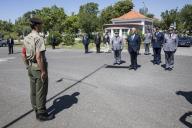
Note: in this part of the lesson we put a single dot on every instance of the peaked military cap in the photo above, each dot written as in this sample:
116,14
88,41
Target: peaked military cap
36,20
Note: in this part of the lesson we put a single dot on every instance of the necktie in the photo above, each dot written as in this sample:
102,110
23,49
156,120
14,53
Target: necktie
132,37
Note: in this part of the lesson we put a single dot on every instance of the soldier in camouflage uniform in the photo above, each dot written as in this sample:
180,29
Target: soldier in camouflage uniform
33,55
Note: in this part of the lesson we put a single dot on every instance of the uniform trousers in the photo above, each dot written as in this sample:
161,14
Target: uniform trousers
10,48
169,59
157,55
133,56
98,48
39,89
147,50
86,48
117,56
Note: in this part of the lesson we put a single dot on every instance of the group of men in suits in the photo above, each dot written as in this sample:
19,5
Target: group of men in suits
97,41
168,41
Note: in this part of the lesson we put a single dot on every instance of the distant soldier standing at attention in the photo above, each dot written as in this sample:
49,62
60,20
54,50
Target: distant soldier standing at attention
33,55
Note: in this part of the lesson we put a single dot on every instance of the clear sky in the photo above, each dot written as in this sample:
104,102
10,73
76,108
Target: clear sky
12,9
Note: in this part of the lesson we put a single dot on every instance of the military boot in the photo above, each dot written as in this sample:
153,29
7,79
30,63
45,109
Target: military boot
44,116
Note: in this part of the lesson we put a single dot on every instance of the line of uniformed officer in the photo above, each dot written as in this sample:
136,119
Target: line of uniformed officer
167,41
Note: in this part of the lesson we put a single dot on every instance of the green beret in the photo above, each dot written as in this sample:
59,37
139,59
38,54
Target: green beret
36,20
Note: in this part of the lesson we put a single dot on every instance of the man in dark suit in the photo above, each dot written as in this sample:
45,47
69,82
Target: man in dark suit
106,41
98,42
85,41
134,41
157,41
53,41
10,43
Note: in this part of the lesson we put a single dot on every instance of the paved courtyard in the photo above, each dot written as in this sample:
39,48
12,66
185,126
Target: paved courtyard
86,91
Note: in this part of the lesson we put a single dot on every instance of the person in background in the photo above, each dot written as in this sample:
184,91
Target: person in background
106,40
97,42
53,41
10,43
85,41
147,41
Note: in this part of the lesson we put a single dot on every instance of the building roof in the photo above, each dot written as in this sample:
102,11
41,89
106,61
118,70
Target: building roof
131,15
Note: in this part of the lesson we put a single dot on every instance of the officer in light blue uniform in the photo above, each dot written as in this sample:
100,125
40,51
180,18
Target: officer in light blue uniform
117,46
170,46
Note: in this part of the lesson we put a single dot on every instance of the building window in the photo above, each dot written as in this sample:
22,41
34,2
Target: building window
115,30
124,32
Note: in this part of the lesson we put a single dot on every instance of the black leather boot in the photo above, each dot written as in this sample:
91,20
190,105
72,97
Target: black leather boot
44,116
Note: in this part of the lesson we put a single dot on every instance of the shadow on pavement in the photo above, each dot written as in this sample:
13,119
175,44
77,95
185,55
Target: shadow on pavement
116,66
163,66
59,93
183,118
187,95
17,53
62,103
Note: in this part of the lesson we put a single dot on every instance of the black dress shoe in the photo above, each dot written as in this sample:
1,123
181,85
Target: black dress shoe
130,67
170,69
166,69
44,117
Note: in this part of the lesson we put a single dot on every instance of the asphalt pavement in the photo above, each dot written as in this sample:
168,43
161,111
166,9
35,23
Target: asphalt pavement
87,91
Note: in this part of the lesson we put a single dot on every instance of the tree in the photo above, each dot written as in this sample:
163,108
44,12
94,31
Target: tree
118,9
106,15
122,7
88,17
186,17
53,18
149,15
169,17
72,24
6,28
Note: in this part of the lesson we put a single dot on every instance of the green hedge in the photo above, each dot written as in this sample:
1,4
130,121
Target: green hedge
55,34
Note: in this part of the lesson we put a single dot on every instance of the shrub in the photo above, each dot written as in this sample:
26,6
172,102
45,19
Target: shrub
69,39
55,34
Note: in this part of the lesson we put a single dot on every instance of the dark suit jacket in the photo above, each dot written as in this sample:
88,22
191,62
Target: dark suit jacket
97,39
106,39
134,44
157,40
85,40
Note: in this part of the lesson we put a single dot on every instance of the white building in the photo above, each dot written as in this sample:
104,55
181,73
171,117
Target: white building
124,23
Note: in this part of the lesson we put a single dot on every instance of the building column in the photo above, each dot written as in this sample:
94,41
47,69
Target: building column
143,29
112,33
120,32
